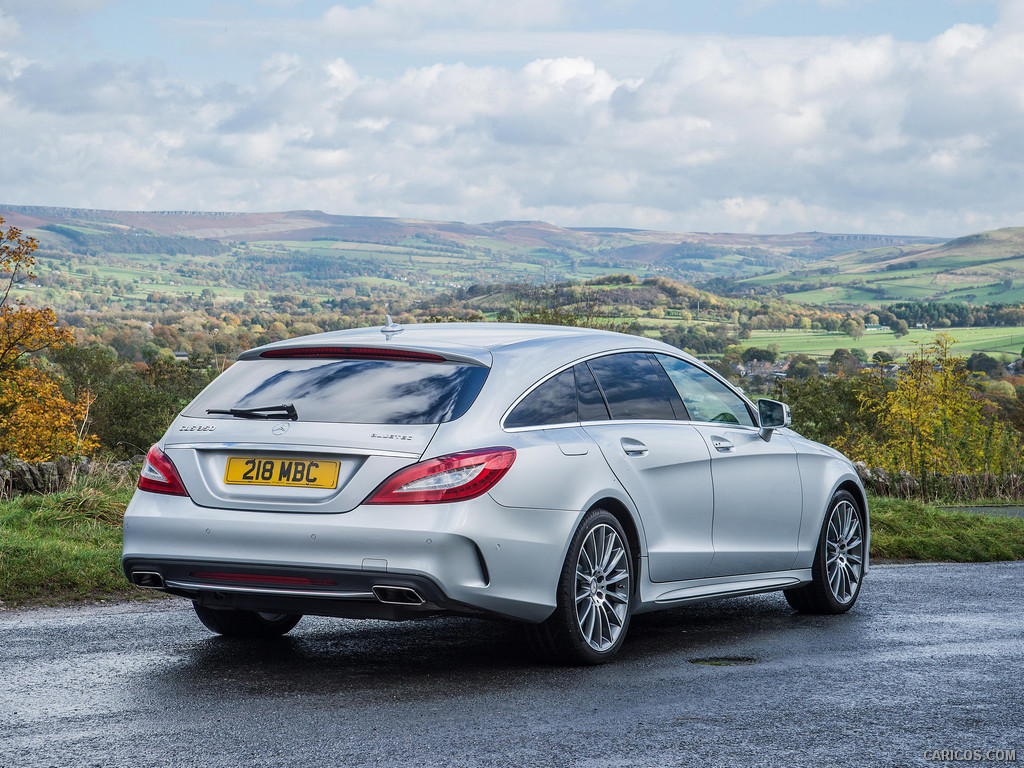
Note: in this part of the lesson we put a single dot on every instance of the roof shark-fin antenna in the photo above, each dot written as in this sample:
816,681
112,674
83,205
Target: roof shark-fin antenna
390,328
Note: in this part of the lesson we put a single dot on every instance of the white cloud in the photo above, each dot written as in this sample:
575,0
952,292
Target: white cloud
1011,15
54,7
9,27
837,134
402,18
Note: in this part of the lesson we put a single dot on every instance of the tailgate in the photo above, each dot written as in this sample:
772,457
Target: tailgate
284,466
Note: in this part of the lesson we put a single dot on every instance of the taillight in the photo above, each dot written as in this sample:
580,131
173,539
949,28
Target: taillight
159,475
456,477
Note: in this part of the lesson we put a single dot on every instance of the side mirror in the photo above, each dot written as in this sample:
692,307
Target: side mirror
772,415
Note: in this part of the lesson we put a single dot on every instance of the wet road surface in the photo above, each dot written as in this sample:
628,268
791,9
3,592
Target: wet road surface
931,658
1000,511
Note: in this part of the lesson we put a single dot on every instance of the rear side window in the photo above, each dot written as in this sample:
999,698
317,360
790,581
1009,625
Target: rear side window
553,402
347,391
632,386
591,401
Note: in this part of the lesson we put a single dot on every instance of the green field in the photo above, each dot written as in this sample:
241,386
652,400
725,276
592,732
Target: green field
984,268
821,344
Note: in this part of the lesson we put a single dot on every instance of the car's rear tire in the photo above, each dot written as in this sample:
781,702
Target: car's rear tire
232,623
594,595
838,570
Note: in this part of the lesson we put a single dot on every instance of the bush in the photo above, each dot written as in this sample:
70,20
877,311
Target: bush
132,405
928,421
828,410
756,353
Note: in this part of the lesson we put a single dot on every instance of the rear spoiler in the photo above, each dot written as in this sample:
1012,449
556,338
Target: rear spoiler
360,352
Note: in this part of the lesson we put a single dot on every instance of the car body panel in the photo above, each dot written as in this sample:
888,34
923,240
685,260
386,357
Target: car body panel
758,500
824,471
503,560
537,452
670,479
367,453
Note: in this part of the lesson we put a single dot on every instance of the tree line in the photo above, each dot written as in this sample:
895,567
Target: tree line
89,382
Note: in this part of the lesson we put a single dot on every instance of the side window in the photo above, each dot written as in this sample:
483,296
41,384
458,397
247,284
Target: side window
632,386
670,390
553,402
706,398
591,401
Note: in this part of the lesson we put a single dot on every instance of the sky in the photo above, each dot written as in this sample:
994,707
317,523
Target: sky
862,116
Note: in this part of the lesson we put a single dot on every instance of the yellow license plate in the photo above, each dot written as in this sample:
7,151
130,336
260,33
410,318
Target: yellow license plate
295,473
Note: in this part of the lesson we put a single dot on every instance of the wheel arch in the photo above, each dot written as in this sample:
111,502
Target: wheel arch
856,491
823,473
620,512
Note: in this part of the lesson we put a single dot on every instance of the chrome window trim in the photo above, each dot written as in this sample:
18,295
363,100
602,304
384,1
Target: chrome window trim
723,424
697,363
678,422
538,427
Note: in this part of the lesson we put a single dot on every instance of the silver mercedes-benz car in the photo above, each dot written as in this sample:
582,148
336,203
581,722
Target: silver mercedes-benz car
562,477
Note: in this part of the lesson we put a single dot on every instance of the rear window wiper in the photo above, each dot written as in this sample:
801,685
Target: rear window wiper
286,411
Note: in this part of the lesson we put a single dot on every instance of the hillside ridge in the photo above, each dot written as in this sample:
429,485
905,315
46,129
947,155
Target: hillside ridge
981,268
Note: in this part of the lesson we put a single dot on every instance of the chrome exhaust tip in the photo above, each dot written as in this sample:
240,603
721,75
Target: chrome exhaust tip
148,579
397,595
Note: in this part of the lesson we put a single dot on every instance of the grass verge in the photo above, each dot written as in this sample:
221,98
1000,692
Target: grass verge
66,547
913,530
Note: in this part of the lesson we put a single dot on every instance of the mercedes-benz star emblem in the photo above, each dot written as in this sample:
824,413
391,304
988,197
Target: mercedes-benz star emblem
281,428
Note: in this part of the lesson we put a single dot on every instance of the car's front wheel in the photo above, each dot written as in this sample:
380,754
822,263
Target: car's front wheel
838,569
233,623
593,600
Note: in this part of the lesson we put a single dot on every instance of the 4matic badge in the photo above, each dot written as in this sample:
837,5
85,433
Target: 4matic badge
391,437
197,427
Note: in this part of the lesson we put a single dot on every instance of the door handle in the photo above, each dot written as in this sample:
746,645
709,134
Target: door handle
633,447
721,444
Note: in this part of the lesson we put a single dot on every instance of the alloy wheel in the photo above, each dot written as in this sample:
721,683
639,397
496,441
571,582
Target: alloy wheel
844,552
602,587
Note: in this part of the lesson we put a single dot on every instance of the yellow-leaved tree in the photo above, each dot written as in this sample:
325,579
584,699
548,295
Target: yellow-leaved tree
933,423
36,420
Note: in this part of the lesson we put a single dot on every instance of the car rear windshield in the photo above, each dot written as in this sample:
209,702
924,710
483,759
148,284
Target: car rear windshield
347,391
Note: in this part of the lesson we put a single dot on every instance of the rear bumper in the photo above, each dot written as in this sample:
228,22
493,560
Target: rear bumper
328,591
474,557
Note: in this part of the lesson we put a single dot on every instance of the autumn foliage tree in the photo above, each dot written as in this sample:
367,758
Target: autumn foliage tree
933,423
36,421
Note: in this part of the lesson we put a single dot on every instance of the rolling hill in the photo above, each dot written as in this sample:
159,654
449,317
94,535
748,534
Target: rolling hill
314,250
984,268
139,254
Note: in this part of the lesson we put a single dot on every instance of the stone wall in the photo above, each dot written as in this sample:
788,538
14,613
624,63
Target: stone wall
882,483
949,487
18,477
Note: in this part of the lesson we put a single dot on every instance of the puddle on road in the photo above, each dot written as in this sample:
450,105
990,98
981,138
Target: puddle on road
724,661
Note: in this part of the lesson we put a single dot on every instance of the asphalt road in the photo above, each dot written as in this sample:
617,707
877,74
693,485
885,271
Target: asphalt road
1001,510
930,659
